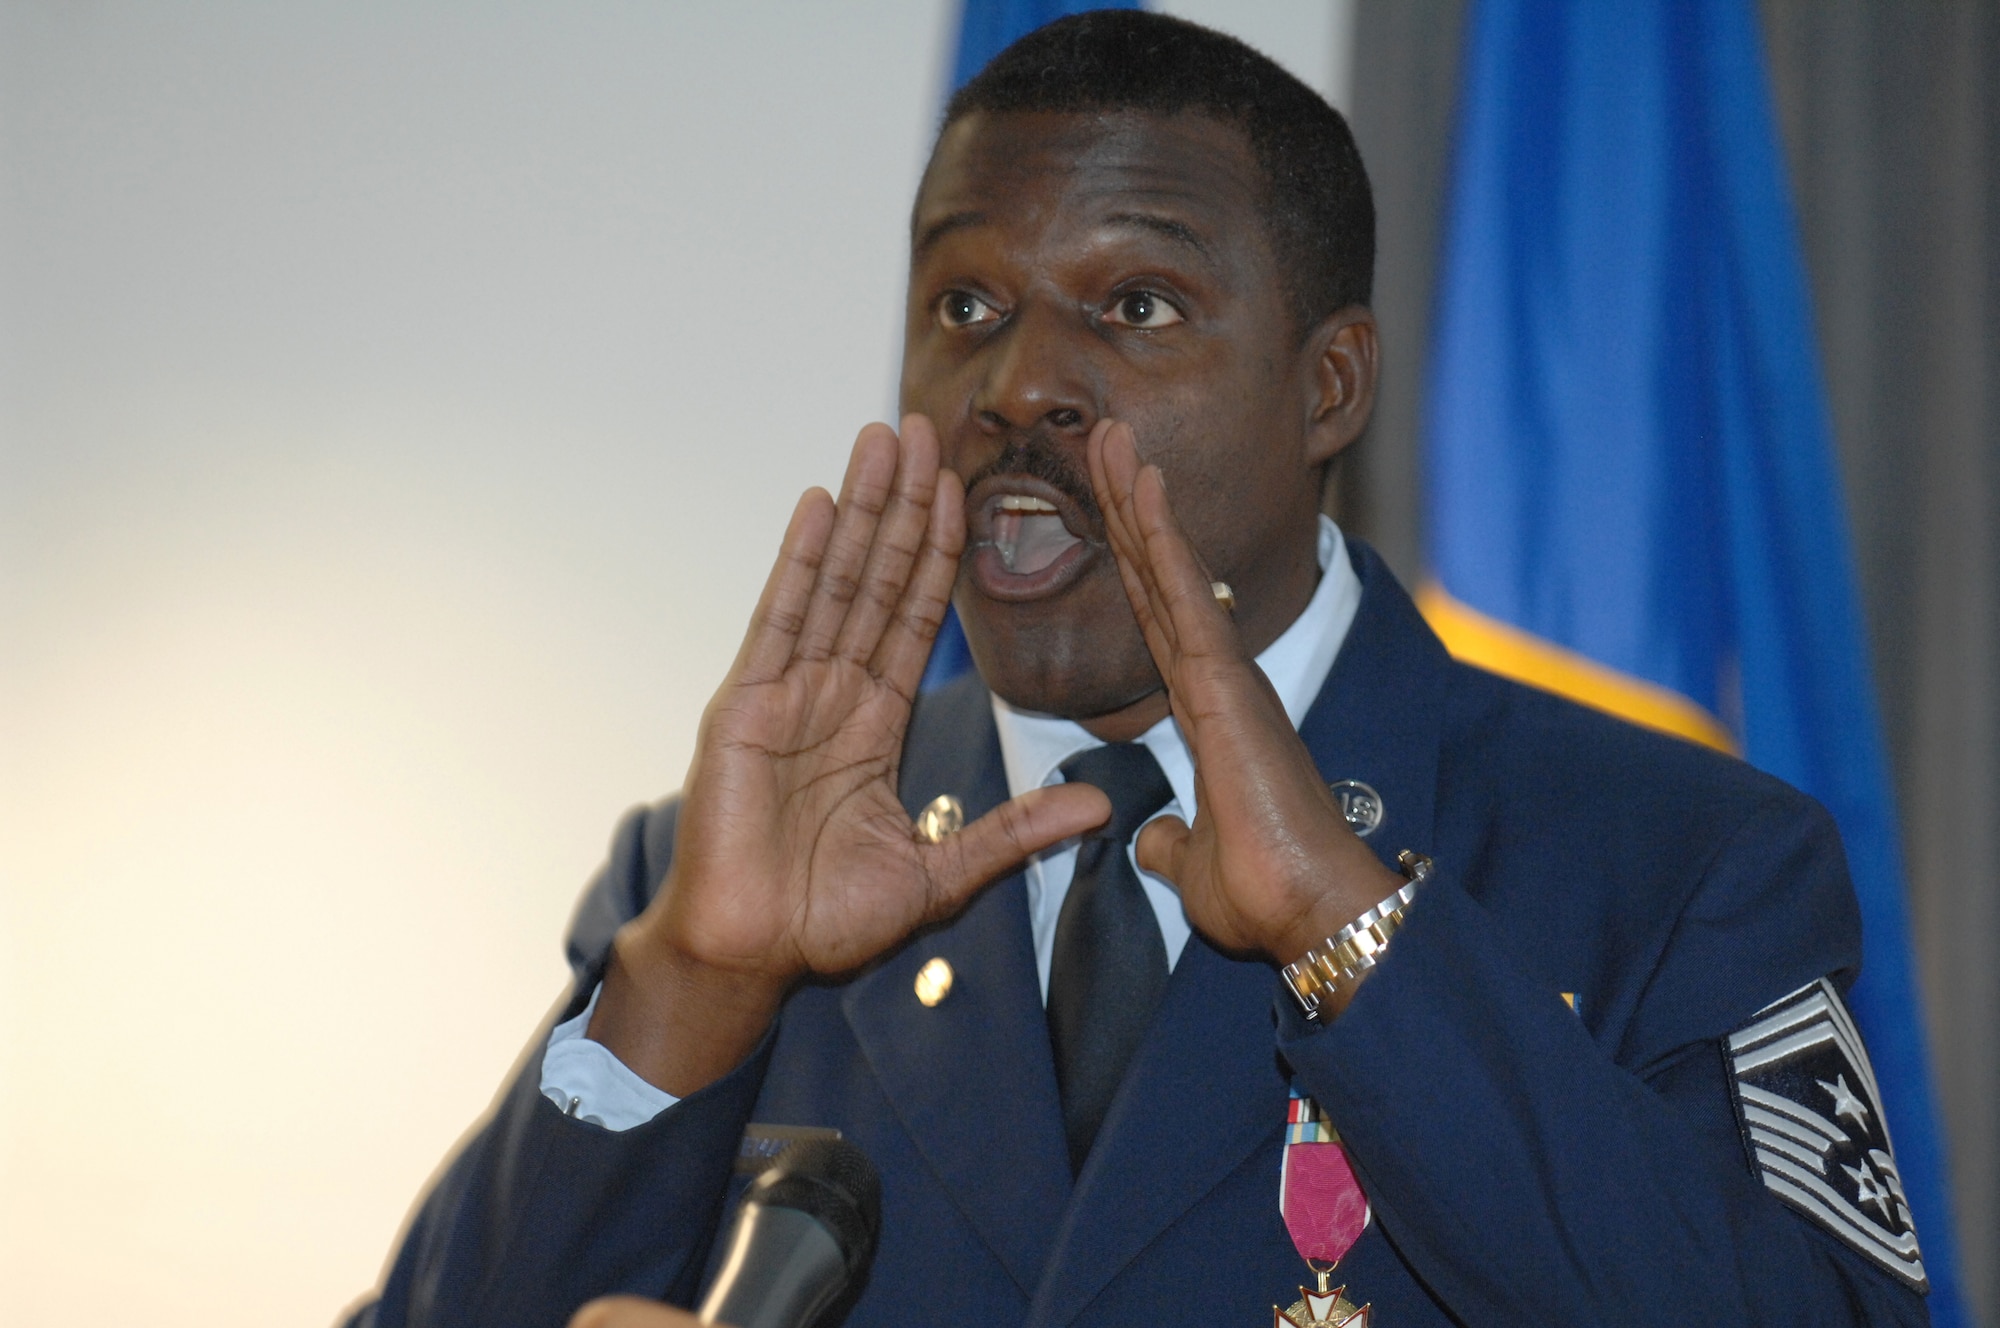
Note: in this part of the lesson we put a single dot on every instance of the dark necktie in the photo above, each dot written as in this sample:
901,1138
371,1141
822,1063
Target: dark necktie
1110,964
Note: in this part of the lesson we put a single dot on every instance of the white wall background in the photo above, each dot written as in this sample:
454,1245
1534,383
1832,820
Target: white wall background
398,406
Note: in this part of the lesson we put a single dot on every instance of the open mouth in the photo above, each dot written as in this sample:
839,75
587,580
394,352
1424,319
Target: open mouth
1024,539
1029,534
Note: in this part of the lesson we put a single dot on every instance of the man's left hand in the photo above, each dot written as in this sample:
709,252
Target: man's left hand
1270,864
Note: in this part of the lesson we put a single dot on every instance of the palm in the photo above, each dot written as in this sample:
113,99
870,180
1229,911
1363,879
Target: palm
1269,853
794,853
812,825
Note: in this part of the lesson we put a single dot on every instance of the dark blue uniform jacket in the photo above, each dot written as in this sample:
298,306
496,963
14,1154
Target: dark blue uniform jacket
1527,1163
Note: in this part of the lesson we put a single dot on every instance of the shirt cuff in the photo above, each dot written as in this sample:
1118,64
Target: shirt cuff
586,1081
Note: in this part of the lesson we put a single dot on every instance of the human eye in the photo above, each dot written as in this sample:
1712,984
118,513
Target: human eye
1143,309
959,308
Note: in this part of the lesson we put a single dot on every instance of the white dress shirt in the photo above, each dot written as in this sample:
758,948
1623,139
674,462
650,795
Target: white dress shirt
586,1080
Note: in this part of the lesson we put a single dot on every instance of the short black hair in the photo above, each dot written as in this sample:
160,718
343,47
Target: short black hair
1319,208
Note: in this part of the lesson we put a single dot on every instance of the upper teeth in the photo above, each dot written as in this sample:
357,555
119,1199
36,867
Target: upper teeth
1021,502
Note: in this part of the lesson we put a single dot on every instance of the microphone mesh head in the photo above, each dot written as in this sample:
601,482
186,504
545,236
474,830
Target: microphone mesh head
833,1181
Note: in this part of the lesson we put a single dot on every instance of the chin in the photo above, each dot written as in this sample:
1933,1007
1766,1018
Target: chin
1075,672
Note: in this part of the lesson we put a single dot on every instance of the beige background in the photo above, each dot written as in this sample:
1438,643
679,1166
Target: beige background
398,406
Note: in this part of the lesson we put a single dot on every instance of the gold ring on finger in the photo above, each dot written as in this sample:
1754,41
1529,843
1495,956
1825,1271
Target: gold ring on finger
943,817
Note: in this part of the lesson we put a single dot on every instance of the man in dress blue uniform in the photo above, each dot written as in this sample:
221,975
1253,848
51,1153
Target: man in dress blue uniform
1597,1070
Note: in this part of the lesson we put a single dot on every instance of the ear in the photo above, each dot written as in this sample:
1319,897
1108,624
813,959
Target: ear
1344,355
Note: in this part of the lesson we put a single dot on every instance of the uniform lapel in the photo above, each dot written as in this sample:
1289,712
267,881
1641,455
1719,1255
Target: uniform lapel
1380,717
1203,1091
1206,1087
972,1079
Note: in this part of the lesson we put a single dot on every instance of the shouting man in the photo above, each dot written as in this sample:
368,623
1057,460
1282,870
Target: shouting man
1222,928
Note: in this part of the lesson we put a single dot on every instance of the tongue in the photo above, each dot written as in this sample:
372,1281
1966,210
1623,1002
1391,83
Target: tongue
1029,541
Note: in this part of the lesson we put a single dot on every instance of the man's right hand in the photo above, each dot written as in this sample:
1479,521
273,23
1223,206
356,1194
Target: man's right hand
793,854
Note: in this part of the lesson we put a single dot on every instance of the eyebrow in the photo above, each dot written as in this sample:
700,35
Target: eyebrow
943,226
1178,231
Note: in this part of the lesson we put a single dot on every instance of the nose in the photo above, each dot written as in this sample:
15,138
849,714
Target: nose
1038,371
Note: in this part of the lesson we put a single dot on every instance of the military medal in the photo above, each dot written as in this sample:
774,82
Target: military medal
1325,1212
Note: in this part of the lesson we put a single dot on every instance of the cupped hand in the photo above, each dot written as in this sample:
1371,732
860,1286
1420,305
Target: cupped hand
793,854
1270,864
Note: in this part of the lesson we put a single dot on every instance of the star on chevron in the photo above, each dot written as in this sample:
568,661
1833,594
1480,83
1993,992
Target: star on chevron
1845,1103
1887,1166
1321,1309
1869,1189
1894,1180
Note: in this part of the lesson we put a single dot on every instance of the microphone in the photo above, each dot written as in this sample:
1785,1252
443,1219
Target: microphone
804,1233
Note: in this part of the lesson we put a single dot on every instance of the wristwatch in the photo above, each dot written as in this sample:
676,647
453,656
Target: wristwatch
1337,964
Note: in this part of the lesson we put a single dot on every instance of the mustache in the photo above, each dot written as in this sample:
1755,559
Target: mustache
1038,456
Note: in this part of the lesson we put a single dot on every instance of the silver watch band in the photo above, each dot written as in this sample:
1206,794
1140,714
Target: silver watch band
1340,962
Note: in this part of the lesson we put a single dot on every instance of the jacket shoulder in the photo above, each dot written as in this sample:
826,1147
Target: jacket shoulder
1543,756
1686,887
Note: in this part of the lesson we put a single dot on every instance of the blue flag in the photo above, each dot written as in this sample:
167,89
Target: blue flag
1632,494
986,28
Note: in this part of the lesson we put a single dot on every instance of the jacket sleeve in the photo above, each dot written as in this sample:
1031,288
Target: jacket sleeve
542,1212
1533,1169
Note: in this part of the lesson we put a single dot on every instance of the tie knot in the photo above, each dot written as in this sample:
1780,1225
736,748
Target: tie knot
1130,777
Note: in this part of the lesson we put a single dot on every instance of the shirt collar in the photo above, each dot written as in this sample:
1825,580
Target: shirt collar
1033,746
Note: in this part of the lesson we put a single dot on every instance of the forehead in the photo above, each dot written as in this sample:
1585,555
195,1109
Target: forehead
1188,170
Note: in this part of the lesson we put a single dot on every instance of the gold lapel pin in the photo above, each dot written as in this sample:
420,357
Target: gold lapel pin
944,816
934,981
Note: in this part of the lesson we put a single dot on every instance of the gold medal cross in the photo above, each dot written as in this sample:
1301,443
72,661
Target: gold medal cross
1321,1309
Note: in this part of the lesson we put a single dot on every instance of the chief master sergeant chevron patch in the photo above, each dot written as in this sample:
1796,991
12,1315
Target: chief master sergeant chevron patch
1812,1119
